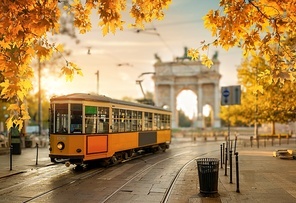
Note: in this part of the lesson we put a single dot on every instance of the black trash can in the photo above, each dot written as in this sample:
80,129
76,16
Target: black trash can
208,173
15,141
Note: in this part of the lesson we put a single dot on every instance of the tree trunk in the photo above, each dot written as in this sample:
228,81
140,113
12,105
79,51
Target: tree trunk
273,128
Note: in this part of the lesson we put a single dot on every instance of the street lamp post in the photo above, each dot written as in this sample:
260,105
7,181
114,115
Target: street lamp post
39,98
98,79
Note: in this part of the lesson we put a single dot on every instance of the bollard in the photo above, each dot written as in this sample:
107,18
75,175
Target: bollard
251,140
280,141
225,161
257,138
221,152
10,155
237,172
265,141
230,164
235,140
272,139
287,137
36,154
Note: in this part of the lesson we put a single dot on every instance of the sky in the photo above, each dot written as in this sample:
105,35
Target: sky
122,57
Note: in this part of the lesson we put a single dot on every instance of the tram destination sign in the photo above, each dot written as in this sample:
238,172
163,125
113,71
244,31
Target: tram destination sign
231,95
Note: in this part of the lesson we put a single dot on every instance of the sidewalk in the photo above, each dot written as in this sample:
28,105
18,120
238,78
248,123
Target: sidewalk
23,162
262,178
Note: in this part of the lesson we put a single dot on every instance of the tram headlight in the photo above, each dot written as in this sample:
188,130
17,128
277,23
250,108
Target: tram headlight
60,145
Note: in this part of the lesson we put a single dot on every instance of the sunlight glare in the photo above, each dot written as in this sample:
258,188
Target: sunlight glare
186,100
53,86
206,110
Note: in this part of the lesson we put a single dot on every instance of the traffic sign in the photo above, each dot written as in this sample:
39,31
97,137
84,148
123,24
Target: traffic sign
231,95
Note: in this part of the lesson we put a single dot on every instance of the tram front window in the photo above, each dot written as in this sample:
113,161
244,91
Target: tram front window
76,118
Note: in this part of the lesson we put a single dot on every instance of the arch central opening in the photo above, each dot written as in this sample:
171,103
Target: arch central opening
187,105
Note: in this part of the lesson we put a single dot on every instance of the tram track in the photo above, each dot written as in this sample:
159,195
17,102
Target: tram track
138,174
86,175
171,184
126,176
97,171
81,177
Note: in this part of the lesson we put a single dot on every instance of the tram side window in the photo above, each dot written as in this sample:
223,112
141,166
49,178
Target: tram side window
140,121
122,120
61,118
103,120
168,121
76,118
134,121
128,120
115,120
163,121
148,121
90,119
157,122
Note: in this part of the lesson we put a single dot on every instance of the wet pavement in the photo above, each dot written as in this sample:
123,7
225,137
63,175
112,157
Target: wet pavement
30,158
262,177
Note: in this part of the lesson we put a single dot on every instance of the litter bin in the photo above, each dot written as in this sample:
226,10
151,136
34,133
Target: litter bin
15,141
208,173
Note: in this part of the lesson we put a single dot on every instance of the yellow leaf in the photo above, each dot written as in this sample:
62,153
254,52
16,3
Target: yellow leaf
5,45
193,53
206,61
21,95
19,123
258,88
13,107
79,72
60,48
9,122
205,47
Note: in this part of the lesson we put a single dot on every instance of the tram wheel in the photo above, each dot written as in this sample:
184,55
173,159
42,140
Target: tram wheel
125,155
105,162
114,160
78,167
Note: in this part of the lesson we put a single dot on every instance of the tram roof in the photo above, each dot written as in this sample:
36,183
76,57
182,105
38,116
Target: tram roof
102,98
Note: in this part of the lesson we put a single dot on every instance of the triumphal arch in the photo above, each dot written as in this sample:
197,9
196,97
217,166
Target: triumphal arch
171,78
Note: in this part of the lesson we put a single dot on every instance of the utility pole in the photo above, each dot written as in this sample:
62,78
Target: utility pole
39,98
98,79
256,107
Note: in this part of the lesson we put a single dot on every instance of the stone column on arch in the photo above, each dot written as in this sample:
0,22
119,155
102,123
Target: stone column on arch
217,121
200,121
175,122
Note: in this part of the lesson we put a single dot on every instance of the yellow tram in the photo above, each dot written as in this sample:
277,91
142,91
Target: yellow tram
86,127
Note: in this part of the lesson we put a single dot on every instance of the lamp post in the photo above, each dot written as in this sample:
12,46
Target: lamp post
39,98
98,79
256,107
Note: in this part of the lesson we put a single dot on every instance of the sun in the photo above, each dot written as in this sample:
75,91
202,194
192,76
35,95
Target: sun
52,86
